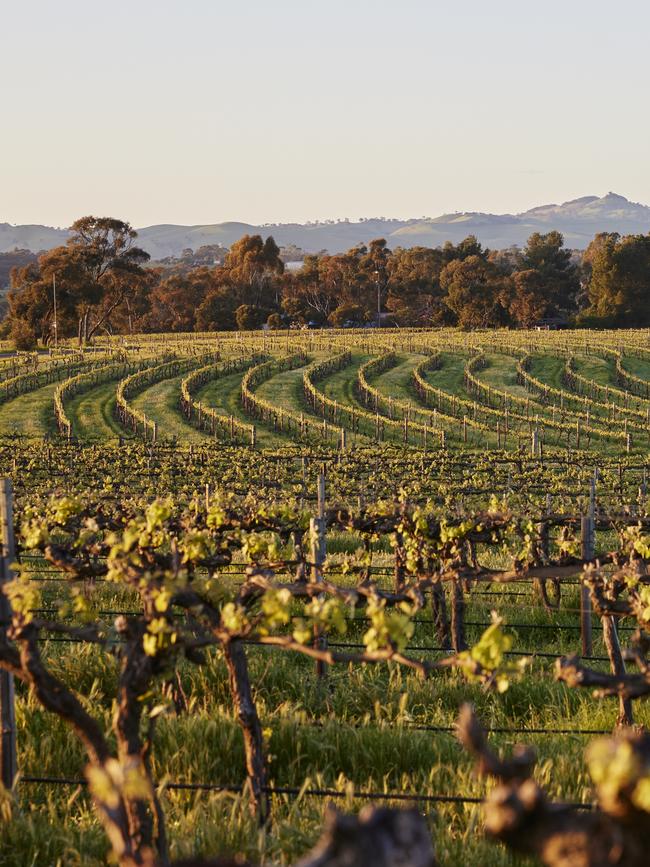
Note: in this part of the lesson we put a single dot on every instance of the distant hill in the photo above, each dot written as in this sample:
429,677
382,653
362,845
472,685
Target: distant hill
34,238
578,220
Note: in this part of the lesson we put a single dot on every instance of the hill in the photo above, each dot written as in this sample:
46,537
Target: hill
578,220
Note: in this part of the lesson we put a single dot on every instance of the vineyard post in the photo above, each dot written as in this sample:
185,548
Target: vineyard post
543,530
154,432
535,450
317,532
643,490
587,553
8,763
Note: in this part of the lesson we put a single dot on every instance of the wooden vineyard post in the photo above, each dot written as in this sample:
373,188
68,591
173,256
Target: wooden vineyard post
535,450
343,439
587,552
154,431
8,764
253,436
317,533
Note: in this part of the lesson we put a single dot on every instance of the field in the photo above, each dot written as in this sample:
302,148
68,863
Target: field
462,474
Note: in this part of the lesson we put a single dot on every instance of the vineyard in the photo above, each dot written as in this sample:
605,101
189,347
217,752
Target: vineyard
249,574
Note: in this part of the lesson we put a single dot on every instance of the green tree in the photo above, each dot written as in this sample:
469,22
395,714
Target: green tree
247,317
96,270
217,311
527,300
373,269
476,292
308,294
110,265
559,275
617,270
470,246
253,268
176,299
347,312
274,321
414,295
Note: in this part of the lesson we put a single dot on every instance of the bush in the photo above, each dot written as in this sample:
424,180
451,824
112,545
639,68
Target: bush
247,317
23,335
275,321
347,312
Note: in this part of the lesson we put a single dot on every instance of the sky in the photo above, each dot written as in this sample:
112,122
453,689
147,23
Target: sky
201,111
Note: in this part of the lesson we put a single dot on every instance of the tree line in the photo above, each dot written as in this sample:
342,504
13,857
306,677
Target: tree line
105,283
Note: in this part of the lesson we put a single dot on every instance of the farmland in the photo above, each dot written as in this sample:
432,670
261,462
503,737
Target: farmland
346,509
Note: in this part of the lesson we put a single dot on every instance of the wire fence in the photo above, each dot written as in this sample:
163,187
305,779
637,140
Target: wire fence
295,791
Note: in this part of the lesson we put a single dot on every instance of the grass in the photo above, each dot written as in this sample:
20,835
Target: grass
501,373
357,733
449,376
340,385
638,366
548,369
92,414
30,414
161,404
601,370
223,394
396,382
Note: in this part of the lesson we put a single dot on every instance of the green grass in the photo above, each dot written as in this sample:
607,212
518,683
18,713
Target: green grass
284,389
30,414
358,730
340,386
223,394
92,413
449,376
638,366
501,373
396,382
600,370
548,369
364,738
161,404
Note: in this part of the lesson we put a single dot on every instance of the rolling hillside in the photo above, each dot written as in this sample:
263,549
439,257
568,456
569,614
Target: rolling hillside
578,220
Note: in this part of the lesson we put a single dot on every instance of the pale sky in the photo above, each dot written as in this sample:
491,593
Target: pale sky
199,111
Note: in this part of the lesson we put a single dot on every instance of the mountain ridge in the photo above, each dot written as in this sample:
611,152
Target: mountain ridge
578,220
